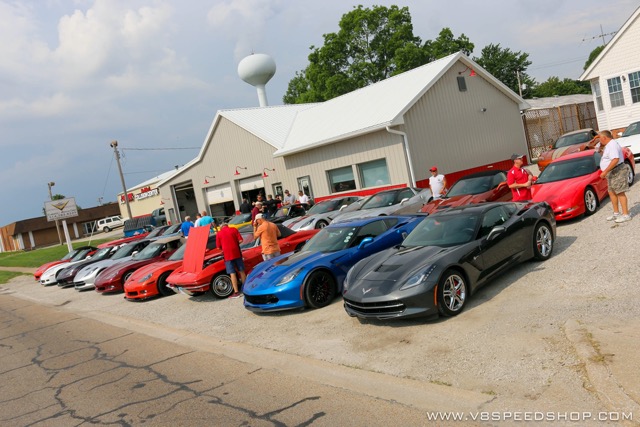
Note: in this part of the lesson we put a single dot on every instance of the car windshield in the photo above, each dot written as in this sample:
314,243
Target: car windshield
444,230
380,200
157,231
151,251
126,250
178,255
331,239
248,241
324,206
69,255
239,219
476,184
573,139
567,169
102,253
290,211
81,255
172,229
632,129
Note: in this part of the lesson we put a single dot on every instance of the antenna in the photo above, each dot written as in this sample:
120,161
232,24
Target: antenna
602,35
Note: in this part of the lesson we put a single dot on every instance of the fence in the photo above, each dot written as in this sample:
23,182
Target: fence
545,125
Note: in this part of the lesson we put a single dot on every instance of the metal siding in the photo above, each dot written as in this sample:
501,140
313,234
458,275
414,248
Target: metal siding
447,128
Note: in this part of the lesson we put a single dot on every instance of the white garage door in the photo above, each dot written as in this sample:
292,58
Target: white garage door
252,183
219,194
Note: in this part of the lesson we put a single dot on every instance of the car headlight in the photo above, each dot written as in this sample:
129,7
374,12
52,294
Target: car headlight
306,223
418,278
289,277
145,278
347,280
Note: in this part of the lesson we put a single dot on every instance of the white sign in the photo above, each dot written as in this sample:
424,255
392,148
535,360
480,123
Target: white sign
61,209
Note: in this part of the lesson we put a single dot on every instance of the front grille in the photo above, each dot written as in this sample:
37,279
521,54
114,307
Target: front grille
132,293
261,299
376,308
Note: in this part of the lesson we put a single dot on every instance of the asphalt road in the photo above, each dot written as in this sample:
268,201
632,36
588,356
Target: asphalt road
61,369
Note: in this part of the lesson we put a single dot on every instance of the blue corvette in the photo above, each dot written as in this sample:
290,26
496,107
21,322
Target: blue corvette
314,276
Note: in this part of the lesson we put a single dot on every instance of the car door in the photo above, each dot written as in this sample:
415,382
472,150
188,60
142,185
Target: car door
498,252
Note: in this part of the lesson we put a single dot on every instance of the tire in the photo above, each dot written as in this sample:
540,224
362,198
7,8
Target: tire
319,289
321,224
106,230
126,276
590,202
163,289
221,286
631,174
452,293
542,242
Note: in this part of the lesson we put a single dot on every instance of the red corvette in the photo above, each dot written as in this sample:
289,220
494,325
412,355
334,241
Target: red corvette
213,275
66,258
112,278
572,185
488,186
570,142
151,280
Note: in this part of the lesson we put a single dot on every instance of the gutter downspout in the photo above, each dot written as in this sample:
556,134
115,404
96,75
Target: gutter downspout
406,149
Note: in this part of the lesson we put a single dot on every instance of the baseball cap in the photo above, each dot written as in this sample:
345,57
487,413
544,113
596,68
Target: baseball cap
259,216
433,168
516,156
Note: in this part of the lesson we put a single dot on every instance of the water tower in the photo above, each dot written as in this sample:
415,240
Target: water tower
257,69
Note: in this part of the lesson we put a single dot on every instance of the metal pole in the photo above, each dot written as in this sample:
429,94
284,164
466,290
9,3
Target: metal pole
114,144
519,84
51,184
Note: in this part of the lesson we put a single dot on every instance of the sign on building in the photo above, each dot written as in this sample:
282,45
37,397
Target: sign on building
61,209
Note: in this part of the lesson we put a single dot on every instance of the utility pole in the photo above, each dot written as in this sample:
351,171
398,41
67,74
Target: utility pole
114,144
51,184
519,84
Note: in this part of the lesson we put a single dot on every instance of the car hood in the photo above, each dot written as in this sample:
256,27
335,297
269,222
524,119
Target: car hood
547,156
463,199
558,191
99,265
388,270
366,213
631,141
159,266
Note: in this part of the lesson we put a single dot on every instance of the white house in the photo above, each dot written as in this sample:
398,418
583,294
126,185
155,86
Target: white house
615,77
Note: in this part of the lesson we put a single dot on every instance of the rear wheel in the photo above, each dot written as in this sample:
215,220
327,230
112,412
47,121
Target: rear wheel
452,293
221,286
163,289
106,229
321,224
542,242
590,202
319,289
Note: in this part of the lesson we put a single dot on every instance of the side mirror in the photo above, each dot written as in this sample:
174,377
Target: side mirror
619,134
535,178
365,242
403,201
495,232
342,207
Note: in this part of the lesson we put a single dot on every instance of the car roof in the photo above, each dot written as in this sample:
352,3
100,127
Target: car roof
472,208
357,222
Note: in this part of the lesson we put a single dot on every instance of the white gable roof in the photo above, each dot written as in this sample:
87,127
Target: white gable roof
374,107
591,72
558,101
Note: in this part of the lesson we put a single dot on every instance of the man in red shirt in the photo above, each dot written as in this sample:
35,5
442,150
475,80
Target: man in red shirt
519,180
228,240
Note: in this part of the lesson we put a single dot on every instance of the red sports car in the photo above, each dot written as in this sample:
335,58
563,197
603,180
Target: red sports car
570,142
112,278
148,234
572,185
66,258
213,275
487,186
151,280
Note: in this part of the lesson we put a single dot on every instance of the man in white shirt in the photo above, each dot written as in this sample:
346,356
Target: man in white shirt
288,199
437,183
302,198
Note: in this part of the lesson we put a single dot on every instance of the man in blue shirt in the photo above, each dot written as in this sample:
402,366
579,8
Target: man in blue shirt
207,221
186,226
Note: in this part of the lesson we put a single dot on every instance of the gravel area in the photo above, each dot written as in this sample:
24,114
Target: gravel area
511,340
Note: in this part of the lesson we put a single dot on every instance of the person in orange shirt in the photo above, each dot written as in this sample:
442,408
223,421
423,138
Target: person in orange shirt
268,234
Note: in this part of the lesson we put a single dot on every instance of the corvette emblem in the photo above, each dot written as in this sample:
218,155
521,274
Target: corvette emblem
364,291
60,205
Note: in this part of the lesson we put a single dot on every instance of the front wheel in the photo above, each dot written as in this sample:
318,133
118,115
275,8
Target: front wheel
542,242
321,224
319,289
590,202
221,286
163,289
106,229
452,293
630,174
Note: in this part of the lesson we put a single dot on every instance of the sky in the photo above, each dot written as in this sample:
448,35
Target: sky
151,74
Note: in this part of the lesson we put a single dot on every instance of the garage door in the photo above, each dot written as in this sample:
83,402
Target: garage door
252,183
219,194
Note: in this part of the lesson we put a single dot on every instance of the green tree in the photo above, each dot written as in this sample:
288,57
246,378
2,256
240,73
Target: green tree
554,86
506,65
371,45
592,56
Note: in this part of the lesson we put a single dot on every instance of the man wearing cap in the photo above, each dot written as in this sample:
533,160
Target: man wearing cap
437,183
257,208
268,234
228,241
519,180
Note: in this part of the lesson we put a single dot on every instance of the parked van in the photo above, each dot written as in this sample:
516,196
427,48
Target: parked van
109,223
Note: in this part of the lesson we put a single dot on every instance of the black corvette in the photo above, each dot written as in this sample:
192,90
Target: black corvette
446,258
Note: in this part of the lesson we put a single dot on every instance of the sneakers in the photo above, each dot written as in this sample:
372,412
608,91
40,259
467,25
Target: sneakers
236,295
613,217
623,218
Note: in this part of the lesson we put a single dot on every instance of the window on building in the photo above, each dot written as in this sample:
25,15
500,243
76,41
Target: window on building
634,84
374,173
596,90
615,92
341,179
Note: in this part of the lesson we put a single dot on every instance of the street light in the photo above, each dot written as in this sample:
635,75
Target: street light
51,184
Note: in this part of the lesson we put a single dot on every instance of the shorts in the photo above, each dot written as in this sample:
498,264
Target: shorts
234,265
618,179
266,257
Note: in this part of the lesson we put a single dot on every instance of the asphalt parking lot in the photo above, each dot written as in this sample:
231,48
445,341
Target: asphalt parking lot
554,336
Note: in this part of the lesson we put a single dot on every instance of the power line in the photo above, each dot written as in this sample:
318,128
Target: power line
158,149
